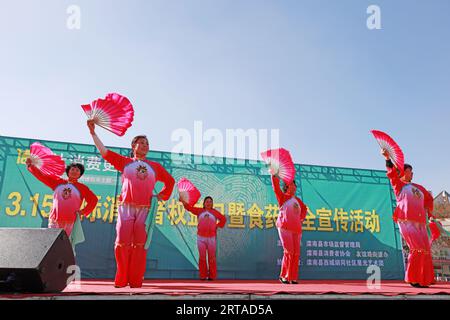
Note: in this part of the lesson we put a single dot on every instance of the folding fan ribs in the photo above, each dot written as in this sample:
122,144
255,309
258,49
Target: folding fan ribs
188,192
280,164
46,161
114,113
395,152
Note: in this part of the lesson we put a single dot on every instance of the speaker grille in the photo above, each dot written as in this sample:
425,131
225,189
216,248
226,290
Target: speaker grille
36,259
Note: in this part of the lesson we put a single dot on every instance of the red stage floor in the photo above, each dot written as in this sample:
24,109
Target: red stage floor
231,288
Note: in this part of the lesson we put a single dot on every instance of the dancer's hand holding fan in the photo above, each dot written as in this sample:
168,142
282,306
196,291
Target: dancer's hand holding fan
280,164
390,149
188,192
114,113
435,231
45,160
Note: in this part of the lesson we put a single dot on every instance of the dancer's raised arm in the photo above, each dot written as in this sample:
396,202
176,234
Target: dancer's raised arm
98,143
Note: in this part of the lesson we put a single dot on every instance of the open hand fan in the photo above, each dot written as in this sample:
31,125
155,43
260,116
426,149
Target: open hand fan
188,192
395,153
114,113
435,232
280,163
45,160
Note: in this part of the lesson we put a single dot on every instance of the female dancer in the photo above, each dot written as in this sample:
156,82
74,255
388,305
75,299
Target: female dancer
414,207
67,197
139,177
289,223
209,220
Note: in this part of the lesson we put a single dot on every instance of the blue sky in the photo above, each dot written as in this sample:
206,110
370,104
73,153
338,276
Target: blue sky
309,68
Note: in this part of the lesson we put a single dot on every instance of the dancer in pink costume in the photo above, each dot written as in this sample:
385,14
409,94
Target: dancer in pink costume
139,177
289,223
414,207
68,196
209,220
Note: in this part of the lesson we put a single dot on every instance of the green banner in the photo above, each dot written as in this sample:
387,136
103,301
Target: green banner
348,226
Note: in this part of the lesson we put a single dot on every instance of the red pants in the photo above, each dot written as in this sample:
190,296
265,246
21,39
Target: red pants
420,263
131,256
67,226
291,255
207,246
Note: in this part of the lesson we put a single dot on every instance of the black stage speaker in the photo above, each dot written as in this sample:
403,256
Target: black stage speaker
34,260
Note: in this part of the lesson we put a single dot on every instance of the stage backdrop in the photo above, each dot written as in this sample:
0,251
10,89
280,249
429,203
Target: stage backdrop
348,226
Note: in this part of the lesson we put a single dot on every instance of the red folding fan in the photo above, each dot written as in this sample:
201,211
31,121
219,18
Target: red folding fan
280,164
188,192
114,113
435,232
46,161
395,152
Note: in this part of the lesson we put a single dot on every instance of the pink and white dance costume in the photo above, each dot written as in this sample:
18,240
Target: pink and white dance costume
68,197
414,207
289,224
208,222
138,181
